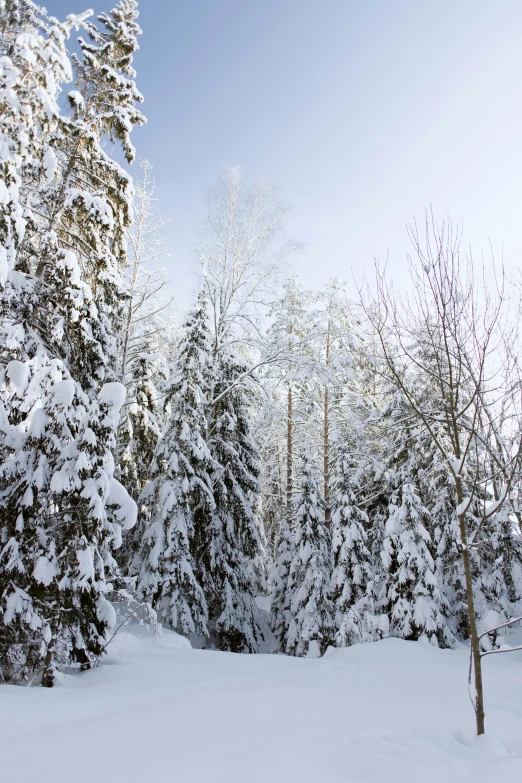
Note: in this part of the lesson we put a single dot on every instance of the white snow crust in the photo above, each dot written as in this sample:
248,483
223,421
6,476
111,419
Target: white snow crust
383,712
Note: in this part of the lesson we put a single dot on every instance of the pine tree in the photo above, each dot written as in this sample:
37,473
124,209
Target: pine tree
34,64
180,489
108,92
58,532
230,538
412,597
280,615
353,582
140,427
438,498
273,508
62,508
510,544
311,625
496,563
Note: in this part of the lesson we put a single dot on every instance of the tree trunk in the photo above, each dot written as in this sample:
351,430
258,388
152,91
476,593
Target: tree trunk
478,702
326,440
326,461
48,675
289,434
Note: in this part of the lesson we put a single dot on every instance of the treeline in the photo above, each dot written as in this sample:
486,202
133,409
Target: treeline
357,457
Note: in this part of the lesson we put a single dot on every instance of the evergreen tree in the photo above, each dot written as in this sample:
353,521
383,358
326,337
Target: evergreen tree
280,615
180,489
108,93
353,581
495,560
312,611
140,427
34,64
229,539
62,507
496,564
510,545
412,597
438,498
58,492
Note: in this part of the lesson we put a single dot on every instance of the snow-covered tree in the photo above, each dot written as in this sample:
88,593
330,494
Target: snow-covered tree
108,94
180,489
241,255
290,338
60,309
353,581
34,64
143,360
267,425
280,615
62,514
231,541
412,598
438,497
312,611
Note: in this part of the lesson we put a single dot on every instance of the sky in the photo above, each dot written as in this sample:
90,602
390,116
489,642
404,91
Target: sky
363,112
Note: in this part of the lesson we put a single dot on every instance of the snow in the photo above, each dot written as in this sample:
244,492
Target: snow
113,395
76,99
63,392
125,509
456,465
463,507
18,374
495,504
69,260
50,162
86,564
44,570
390,711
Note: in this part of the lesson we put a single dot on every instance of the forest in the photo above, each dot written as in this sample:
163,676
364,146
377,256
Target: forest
280,471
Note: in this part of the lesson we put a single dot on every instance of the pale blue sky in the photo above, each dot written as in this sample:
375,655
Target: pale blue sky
363,112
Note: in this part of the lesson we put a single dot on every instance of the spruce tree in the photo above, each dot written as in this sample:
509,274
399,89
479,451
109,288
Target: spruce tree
353,582
140,427
61,305
58,494
108,93
229,539
312,612
280,615
412,597
496,564
34,65
438,498
180,489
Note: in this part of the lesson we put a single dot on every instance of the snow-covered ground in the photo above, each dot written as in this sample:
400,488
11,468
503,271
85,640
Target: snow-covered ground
159,711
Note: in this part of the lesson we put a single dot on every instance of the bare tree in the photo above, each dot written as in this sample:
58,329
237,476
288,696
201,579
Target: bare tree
448,348
146,276
144,335
242,255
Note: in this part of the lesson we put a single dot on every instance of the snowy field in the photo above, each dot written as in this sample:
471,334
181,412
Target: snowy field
160,711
